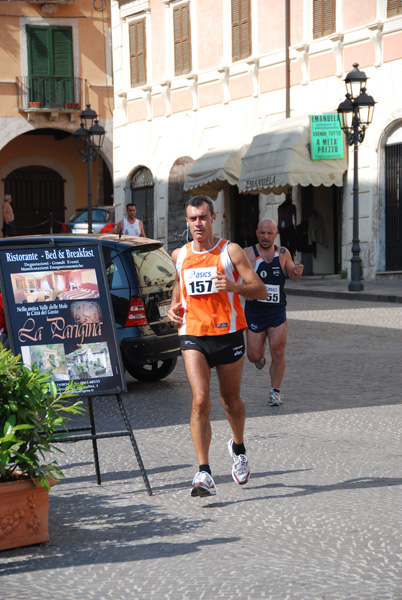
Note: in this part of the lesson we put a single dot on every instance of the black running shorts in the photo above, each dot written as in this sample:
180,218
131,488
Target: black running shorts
217,349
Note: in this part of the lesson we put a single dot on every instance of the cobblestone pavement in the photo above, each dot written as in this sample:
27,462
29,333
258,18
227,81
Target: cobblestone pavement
319,519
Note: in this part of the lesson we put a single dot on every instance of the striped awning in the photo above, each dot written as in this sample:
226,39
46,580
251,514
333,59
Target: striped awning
209,173
279,158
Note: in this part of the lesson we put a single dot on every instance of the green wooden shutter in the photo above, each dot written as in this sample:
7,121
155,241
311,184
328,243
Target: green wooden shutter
62,65
241,29
50,65
38,61
182,39
137,53
38,51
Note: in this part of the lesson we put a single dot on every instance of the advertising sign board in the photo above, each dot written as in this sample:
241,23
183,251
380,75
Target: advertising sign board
59,314
327,139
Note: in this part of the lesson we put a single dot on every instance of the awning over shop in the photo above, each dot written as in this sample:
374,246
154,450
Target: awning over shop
280,157
208,174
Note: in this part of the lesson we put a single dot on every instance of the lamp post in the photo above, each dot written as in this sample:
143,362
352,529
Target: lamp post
89,140
357,113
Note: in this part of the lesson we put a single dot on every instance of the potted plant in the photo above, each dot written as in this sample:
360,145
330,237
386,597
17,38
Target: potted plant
35,104
32,411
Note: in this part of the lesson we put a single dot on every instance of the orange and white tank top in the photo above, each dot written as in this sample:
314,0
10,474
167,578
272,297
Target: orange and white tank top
205,310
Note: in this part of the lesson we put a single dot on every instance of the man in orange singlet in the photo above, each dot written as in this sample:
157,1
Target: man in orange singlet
206,306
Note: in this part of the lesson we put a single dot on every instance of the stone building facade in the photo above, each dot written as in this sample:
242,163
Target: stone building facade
198,82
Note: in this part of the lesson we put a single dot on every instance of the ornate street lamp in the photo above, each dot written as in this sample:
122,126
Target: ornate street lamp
357,113
88,141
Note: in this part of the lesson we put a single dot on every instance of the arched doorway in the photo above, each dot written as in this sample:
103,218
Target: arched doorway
177,199
393,202
142,195
38,195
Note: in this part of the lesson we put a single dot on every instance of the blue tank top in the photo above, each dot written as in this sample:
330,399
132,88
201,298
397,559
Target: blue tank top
272,275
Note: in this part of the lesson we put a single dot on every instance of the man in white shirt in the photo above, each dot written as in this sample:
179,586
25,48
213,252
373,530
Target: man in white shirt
130,225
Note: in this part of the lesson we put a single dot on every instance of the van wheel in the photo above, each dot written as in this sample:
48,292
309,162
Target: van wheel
153,372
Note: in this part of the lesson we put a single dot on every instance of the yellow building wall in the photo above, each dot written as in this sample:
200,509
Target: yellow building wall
91,24
92,65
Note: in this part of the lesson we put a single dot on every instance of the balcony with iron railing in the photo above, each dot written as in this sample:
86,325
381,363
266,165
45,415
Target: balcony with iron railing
49,94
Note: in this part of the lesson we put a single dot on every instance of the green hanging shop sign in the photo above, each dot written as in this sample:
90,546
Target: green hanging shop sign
326,136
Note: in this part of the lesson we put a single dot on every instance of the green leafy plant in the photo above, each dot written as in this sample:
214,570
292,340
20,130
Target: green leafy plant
32,411
343,273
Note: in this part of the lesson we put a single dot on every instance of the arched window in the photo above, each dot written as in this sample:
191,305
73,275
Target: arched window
142,195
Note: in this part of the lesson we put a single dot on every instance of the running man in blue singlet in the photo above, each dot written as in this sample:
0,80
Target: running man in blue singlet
266,319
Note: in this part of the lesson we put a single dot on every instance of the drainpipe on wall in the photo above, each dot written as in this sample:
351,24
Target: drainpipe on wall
287,43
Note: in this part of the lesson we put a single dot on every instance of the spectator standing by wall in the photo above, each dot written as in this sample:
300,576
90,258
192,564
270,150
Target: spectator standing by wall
8,228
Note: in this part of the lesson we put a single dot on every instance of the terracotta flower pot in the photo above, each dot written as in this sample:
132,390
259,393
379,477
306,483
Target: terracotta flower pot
35,104
24,512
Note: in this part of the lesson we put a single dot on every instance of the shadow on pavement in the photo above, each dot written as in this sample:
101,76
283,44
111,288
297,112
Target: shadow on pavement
306,490
328,367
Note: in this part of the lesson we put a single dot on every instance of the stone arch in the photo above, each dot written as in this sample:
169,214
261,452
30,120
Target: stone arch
177,199
44,161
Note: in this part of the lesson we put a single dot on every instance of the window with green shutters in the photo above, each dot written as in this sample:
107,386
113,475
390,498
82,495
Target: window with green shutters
50,65
394,7
182,39
241,29
323,17
138,73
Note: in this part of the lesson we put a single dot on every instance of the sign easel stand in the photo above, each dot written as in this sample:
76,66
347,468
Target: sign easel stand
59,327
97,436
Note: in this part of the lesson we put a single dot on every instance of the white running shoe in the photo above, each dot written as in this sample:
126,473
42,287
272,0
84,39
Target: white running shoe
261,363
203,485
274,398
241,468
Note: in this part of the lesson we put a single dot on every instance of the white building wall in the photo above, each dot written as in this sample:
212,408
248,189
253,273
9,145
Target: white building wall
157,142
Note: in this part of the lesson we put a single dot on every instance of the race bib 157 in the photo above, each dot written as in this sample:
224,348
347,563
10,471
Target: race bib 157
199,281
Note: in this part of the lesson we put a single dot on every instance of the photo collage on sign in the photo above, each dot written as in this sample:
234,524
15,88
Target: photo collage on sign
87,360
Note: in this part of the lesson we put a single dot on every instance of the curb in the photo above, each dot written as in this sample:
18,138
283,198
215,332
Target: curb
367,297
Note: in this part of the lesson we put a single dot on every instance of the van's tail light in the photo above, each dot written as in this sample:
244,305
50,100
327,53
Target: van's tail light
63,229
107,228
136,313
